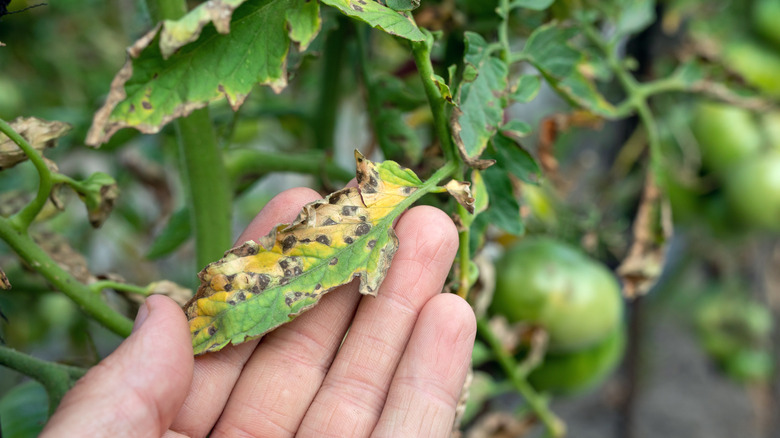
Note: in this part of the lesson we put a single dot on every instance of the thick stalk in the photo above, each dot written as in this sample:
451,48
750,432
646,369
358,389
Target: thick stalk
203,170
24,246
555,427
56,378
330,87
422,57
464,257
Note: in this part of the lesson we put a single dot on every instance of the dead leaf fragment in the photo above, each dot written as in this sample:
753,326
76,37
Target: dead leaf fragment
39,133
65,256
461,191
99,193
4,283
177,293
640,270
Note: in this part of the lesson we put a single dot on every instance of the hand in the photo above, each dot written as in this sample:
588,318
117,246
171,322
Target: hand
398,373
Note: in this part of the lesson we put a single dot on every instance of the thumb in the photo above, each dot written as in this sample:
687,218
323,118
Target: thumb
139,388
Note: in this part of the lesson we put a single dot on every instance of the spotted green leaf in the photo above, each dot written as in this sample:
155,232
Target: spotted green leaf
183,65
481,99
397,23
260,285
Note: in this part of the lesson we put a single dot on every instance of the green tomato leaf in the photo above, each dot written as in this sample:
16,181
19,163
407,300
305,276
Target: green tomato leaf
480,100
549,51
24,410
163,80
516,128
526,89
381,17
258,286
388,98
515,159
403,5
173,235
504,210
536,5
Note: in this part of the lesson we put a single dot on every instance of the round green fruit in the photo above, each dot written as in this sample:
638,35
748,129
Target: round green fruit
726,134
753,191
758,64
551,284
569,373
766,20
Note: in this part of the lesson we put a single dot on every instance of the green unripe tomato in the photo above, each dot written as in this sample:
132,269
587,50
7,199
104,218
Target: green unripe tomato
750,366
545,282
753,191
759,65
578,371
766,20
726,134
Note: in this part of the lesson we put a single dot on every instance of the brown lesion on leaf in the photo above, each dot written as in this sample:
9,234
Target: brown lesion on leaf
333,261
371,243
329,221
323,239
288,243
348,240
362,229
146,104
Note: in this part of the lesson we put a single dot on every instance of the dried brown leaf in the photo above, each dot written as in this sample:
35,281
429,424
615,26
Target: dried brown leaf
4,283
177,293
65,256
39,133
652,229
461,191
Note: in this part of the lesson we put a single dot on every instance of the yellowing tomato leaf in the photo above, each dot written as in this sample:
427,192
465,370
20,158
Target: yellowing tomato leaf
258,286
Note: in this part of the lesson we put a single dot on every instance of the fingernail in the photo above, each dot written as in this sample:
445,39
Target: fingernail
143,312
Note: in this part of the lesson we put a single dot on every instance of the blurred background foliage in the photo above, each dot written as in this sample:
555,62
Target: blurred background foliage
705,334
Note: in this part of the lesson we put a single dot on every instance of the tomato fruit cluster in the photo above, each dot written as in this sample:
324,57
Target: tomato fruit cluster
576,299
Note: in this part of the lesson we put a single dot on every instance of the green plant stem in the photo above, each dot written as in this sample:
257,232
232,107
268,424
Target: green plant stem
56,378
26,248
637,93
464,257
330,87
203,169
243,162
208,186
98,286
422,58
554,425
21,221
503,29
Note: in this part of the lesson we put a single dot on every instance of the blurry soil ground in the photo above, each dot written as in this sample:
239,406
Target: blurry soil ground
680,393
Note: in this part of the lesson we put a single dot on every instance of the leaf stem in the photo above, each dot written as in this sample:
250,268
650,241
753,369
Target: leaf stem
56,378
503,11
464,257
554,425
26,248
241,163
98,286
21,221
422,57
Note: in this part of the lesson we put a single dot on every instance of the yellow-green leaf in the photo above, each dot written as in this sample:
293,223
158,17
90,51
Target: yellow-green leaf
258,286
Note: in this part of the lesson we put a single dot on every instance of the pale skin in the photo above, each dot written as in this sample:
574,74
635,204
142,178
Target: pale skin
398,373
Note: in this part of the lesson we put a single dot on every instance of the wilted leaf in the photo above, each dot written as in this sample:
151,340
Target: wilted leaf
381,17
259,286
177,293
461,191
98,192
481,98
480,192
641,269
4,283
150,90
40,134
65,256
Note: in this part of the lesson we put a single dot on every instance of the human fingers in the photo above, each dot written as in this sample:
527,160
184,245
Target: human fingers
138,389
215,374
426,387
350,400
